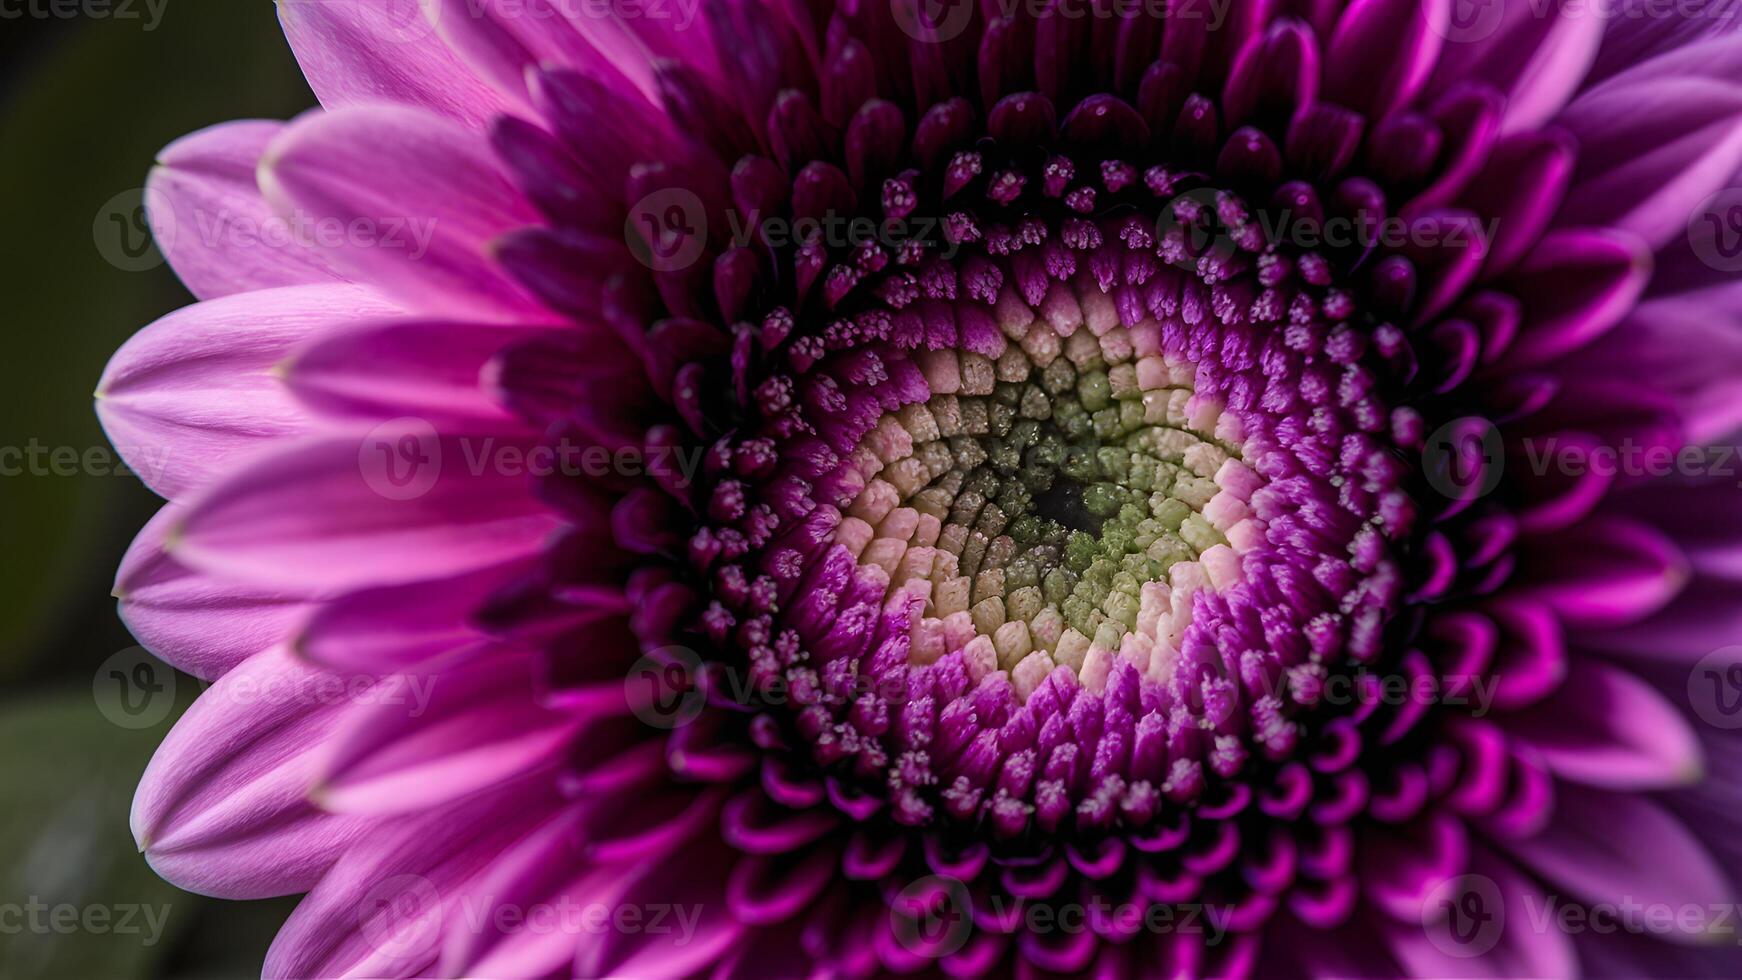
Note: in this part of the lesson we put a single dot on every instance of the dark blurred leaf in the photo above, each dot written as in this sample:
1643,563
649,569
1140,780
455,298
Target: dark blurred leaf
81,126
71,880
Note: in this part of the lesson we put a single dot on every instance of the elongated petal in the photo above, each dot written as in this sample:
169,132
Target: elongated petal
430,369
222,809
193,393
200,623
347,512
1606,727
443,733
1623,848
211,222
385,909
362,51
406,200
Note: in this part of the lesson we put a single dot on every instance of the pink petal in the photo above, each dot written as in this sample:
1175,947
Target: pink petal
1508,945
1607,571
364,51
222,809
694,876
198,622
210,221
1576,284
384,910
1623,848
1606,727
346,512
386,630
192,393
1382,52
540,872
432,369
406,200
1649,154
1534,53
445,732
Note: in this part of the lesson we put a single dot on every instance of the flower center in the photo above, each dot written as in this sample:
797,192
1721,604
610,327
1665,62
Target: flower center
1056,506
1069,534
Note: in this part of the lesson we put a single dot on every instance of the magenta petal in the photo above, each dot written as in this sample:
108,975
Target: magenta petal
209,219
1576,284
1535,54
386,630
1606,727
438,734
345,512
1649,154
222,809
192,393
198,622
1605,572
1624,848
365,51
1382,52
693,876
540,872
1511,944
431,369
406,200
386,909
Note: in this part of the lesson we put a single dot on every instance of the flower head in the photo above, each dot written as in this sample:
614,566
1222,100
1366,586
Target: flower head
1032,487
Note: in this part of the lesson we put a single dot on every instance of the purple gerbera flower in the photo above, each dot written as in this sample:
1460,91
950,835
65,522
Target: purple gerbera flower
802,488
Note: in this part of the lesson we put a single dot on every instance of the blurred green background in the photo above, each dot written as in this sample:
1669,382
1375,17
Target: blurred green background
86,100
